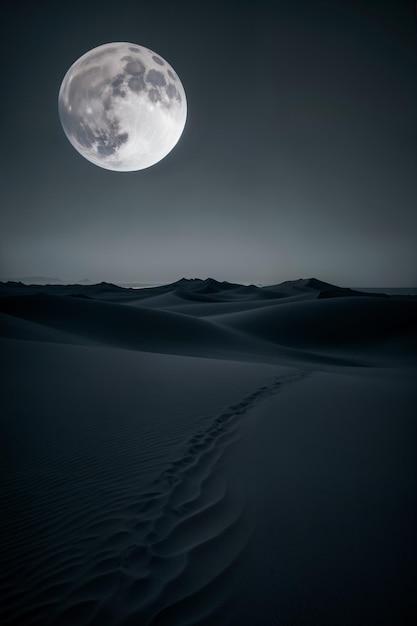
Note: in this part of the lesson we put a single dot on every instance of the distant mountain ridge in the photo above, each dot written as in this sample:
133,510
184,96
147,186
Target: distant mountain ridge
207,284
326,290
40,280
194,289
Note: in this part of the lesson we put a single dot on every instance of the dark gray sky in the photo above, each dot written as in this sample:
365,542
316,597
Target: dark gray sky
298,158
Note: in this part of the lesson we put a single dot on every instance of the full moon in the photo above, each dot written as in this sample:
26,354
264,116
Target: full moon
122,106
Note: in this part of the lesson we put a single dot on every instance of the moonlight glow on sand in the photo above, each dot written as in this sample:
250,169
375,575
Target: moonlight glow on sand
122,106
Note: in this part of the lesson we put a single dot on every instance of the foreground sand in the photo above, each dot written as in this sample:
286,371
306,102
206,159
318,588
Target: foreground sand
207,453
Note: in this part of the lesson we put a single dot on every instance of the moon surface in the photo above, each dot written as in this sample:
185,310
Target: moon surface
122,106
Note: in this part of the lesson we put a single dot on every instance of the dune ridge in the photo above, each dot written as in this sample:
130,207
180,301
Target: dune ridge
345,327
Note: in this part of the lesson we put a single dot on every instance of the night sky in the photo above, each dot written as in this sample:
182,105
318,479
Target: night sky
298,158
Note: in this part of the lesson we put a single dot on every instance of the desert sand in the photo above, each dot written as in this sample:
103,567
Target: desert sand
207,453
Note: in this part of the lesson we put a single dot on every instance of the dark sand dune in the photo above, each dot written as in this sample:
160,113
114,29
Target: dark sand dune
208,309
205,453
87,321
129,327
12,327
349,323
160,301
114,496
313,320
181,295
158,330
209,297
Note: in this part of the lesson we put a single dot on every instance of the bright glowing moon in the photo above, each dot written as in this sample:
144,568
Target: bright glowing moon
122,107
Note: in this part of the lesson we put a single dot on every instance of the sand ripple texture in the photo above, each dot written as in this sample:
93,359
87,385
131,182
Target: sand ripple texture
165,553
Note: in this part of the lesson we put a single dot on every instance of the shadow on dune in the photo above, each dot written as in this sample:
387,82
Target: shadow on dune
304,319
111,324
82,321
329,322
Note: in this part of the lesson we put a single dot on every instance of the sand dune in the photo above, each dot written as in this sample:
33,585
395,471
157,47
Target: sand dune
207,453
125,493
208,309
340,324
12,327
137,328
86,321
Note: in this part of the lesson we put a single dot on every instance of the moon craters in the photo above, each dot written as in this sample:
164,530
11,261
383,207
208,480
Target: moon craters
171,91
136,83
153,81
108,145
116,85
133,66
157,79
154,95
